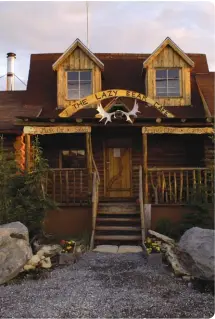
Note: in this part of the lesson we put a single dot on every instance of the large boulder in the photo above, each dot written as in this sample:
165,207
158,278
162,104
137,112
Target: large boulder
15,250
196,248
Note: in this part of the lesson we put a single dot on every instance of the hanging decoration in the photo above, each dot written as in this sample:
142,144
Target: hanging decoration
118,114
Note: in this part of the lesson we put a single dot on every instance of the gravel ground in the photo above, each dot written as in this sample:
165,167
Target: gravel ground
105,286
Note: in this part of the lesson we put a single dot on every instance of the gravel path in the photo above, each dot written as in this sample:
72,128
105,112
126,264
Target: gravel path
105,286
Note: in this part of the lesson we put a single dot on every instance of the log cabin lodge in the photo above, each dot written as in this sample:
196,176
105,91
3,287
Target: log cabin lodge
127,136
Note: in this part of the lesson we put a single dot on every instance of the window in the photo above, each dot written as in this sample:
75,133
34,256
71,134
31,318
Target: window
79,84
167,82
73,159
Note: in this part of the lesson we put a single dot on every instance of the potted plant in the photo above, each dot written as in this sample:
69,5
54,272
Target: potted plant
154,251
67,255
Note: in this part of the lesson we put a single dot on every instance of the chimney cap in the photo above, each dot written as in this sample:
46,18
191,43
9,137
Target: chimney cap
11,54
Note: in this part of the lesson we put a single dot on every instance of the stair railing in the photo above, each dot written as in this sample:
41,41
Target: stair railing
95,201
142,217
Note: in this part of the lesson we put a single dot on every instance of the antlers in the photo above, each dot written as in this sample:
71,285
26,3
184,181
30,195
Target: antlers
106,115
133,112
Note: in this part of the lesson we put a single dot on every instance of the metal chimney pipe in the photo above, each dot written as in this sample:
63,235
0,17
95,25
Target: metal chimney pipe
10,71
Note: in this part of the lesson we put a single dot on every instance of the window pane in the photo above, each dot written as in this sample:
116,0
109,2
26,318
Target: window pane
161,74
81,152
66,153
73,85
73,94
173,94
173,73
73,159
85,75
85,89
173,83
175,91
72,75
161,92
161,83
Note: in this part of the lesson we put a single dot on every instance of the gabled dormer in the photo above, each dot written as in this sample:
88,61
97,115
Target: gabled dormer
78,74
168,75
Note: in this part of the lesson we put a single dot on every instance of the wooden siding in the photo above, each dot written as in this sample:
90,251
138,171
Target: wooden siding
78,60
168,58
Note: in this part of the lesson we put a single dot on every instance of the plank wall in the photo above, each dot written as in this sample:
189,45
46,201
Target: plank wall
168,58
78,60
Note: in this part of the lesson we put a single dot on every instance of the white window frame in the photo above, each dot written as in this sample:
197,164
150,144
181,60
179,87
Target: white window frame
79,83
179,81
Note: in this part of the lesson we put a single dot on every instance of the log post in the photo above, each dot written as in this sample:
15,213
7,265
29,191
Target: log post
145,169
89,161
27,152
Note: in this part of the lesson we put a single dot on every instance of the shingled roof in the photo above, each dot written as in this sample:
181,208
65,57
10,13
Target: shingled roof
120,71
12,104
206,85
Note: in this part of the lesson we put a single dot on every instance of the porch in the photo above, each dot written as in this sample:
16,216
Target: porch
174,166
126,164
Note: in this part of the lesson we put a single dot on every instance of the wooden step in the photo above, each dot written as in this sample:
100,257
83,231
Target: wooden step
117,237
118,213
118,228
118,219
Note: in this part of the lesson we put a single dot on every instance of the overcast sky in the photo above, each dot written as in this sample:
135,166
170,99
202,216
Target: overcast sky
135,27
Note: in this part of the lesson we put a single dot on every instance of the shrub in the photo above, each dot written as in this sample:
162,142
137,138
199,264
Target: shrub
23,194
165,226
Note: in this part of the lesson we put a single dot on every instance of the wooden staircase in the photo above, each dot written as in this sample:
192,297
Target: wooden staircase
118,224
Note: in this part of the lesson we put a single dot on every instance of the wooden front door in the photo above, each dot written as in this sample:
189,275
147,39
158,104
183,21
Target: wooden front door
118,168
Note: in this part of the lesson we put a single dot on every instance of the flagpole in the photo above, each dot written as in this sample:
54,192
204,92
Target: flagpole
87,25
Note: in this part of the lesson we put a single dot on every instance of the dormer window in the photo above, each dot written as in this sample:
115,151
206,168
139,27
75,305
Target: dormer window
79,84
167,82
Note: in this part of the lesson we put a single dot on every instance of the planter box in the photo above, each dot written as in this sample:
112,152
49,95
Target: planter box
66,259
155,259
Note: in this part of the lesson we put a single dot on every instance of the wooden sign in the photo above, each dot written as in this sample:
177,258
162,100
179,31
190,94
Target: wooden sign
98,97
42,130
177,130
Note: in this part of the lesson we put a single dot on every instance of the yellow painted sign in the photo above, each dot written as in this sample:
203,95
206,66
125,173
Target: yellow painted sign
42,130
98,97
177,130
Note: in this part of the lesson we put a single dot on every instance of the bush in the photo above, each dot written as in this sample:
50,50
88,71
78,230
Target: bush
22,193
166,227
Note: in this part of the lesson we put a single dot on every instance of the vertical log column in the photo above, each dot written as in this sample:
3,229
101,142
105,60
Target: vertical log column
19,146
145,169
27,152
89,161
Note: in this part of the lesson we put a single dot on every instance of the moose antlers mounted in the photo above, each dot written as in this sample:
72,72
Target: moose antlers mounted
108,116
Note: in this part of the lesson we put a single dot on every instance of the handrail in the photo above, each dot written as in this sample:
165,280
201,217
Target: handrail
68,169
181,185
67,185
93,161
143,230
160,169
95,201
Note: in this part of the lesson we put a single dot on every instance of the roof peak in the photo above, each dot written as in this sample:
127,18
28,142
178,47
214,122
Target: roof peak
174,46
71,48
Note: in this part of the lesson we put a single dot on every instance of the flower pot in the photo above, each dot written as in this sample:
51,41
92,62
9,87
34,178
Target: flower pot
66,259
155,259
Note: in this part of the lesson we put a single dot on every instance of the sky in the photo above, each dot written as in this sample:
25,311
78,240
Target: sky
132,27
